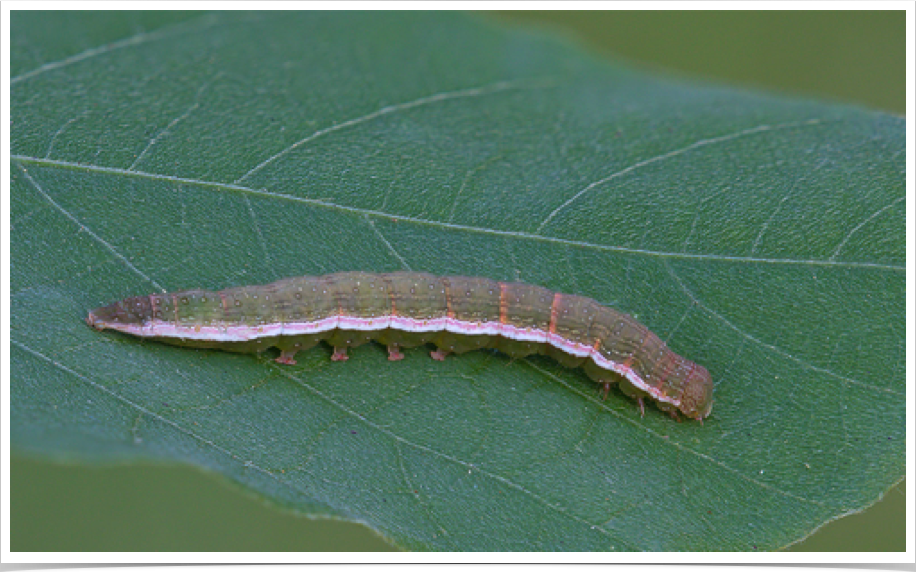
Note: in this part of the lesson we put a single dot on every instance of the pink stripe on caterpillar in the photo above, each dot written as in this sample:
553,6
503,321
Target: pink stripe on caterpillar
159,329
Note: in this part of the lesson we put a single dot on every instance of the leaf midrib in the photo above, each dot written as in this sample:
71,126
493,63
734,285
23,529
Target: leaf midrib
451,226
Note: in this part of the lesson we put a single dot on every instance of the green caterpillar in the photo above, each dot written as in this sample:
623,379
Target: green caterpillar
408,309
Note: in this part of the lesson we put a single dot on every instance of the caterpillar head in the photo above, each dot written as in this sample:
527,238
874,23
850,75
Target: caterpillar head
696,401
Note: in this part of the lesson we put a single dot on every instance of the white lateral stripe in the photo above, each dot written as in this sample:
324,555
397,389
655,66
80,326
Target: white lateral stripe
472,328
569,346
364,324
406,324
236,333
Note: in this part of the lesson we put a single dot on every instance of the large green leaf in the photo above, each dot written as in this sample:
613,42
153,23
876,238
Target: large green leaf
762,237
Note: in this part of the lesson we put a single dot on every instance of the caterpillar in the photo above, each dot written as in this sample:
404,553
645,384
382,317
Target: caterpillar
409,309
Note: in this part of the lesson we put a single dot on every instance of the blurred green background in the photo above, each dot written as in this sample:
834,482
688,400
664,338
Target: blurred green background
853,57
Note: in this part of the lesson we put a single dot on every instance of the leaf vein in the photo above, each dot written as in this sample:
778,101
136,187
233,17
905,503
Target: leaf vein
135,40
434,98
151,414
388,244
772,347
860,225
679,446
674,153
88,231
445,456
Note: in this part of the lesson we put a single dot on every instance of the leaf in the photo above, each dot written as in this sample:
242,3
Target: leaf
761,237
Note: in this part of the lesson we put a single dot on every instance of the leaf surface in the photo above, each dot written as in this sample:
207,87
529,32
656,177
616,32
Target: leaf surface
761,237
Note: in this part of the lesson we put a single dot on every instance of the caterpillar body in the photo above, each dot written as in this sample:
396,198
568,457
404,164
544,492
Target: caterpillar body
408,309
